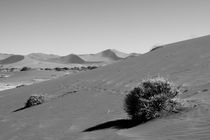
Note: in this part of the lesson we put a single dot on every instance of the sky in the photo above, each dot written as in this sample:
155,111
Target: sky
89,26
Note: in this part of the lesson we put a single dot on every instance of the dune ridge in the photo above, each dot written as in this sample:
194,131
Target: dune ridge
72,58
12,59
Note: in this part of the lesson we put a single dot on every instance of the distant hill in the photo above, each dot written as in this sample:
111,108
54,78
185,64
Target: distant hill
72,58
119,53
4,56
40,59
104,56
110,54
12,59
42,56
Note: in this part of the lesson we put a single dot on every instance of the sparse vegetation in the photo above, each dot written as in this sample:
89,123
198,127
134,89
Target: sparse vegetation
18,86
82,68
8,69
35,100
151,99
25,69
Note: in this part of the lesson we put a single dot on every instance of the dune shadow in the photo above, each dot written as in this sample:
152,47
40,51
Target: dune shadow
115,124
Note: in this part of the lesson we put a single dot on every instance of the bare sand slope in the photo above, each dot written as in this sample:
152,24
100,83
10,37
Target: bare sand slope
120,54
11,59
4,56
72,58
93,100
34,63
23,78
42,56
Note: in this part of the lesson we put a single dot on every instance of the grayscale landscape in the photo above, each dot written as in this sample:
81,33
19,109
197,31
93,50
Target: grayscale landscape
104,70
20,70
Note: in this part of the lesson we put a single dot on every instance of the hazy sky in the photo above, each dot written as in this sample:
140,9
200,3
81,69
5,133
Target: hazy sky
89,26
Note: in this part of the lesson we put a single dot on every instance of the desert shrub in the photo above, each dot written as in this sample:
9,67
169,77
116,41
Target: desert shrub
65,68
152,98
25,69
35,100
58,69
47,69
91,67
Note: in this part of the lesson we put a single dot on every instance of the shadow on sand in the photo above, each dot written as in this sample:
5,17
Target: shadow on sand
19,109
116,124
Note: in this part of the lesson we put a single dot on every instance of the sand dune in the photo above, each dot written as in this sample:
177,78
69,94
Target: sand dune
72,58
12,59
42,56
4,56
104,56
97,103
43,60
34,63
119,53
110,54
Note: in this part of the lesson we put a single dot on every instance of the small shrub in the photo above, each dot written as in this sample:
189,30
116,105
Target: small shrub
18,86
58,69
91,67
65,68
152,98
25,69
47,69
35,100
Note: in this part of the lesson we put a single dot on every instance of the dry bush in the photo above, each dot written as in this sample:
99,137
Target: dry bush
35,100
152,98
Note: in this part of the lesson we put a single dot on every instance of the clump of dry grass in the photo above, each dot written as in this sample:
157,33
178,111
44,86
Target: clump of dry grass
35,100
152,98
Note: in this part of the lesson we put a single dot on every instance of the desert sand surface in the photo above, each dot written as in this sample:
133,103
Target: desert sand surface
34,63
89,105
16,79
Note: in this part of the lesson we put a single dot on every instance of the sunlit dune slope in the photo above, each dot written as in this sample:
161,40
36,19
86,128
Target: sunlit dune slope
12,59
94,99
72,58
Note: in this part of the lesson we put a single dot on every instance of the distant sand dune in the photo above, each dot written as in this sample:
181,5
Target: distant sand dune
72,58
104,56
12,59
110,54
4,56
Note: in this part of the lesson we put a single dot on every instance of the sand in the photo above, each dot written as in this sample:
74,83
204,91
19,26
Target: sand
18,79
97,104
